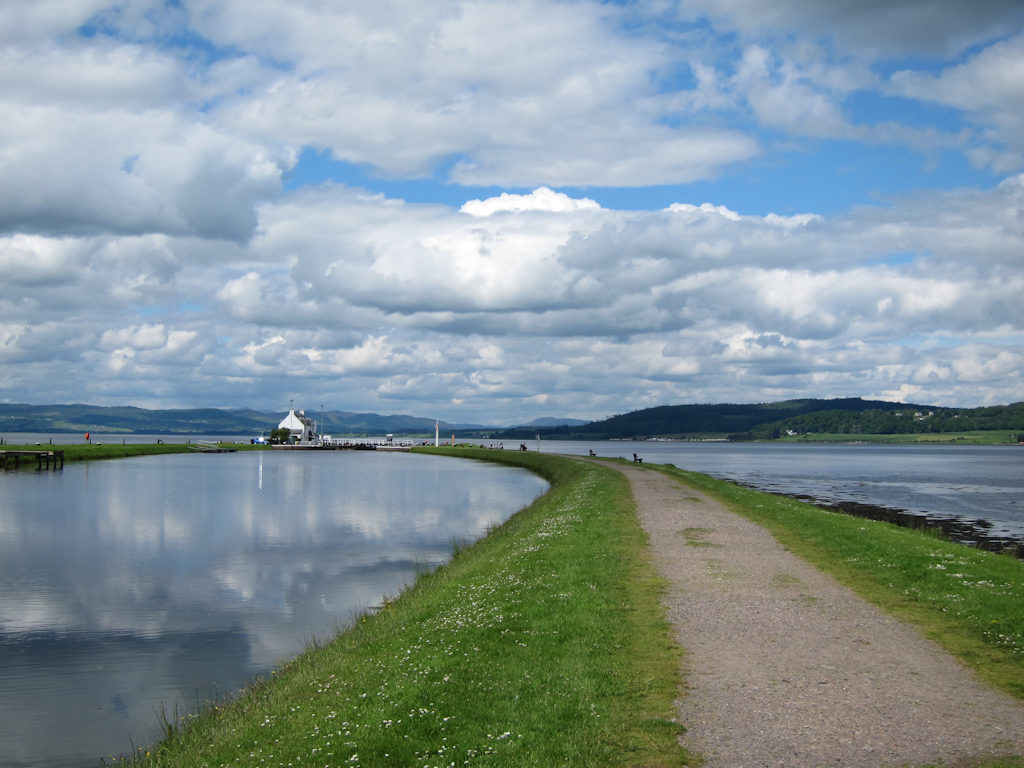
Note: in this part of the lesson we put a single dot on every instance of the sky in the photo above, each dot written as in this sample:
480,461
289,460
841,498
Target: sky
489,211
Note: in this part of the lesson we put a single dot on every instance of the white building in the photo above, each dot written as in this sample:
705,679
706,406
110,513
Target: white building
300,426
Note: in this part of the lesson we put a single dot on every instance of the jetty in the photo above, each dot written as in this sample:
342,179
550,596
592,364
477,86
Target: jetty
304,434
337,445
45,459
209,446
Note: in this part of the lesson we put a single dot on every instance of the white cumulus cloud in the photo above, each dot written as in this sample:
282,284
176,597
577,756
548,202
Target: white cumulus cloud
541,199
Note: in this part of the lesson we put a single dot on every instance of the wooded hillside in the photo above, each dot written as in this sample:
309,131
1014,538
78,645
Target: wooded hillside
906,420
769,420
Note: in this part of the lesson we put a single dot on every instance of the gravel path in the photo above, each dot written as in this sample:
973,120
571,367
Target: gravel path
785,667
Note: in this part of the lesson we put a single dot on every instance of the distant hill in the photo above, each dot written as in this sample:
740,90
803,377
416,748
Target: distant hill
903,420
720,419
549,421
130,420
758,421
850,415
79,418
346,422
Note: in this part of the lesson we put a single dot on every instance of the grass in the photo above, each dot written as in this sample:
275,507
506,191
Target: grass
969,601
544,644
976,437
96,451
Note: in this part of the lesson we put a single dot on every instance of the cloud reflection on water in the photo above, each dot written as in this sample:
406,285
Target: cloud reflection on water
133,582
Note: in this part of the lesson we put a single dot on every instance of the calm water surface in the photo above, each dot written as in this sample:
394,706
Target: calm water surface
166,579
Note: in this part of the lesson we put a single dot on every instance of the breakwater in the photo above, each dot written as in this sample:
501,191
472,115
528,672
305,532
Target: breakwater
542,644
491,657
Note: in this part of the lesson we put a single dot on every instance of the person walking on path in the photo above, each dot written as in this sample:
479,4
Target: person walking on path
786,667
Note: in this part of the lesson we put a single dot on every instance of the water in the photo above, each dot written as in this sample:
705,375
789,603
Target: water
128,583
133,583
980,487
109,438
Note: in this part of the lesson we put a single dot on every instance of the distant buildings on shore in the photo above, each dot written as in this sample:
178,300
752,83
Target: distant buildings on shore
301,427
299,431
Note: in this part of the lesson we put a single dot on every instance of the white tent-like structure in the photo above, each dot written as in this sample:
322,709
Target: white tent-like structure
300,427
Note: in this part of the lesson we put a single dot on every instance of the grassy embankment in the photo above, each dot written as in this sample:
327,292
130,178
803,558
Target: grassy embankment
96,452
544,644
971,602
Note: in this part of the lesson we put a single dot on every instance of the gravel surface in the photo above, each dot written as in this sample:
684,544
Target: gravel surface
785,667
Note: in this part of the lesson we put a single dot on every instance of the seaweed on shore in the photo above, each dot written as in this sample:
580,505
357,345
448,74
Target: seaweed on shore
973,533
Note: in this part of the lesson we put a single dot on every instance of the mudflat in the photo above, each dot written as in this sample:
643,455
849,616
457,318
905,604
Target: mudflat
786,667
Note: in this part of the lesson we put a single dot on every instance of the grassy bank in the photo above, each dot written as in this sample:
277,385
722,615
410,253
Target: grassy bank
969,601
977,437
542,645
545,644
96,452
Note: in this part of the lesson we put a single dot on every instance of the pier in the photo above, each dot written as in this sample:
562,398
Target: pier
209,446
343,446
44,459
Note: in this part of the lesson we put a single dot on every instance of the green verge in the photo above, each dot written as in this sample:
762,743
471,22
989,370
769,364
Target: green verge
969,601
96,452
975,437
543,644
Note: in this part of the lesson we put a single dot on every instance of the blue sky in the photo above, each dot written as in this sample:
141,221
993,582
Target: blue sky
829,177
492,211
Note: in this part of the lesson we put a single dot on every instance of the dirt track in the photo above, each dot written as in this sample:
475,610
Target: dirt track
785,667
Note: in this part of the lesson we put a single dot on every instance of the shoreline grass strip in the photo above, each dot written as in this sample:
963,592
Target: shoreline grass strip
544,644
96,452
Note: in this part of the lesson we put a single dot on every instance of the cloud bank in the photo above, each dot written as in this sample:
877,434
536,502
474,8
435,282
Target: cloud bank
153,250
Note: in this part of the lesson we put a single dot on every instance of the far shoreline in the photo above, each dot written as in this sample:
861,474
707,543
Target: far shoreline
973,437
